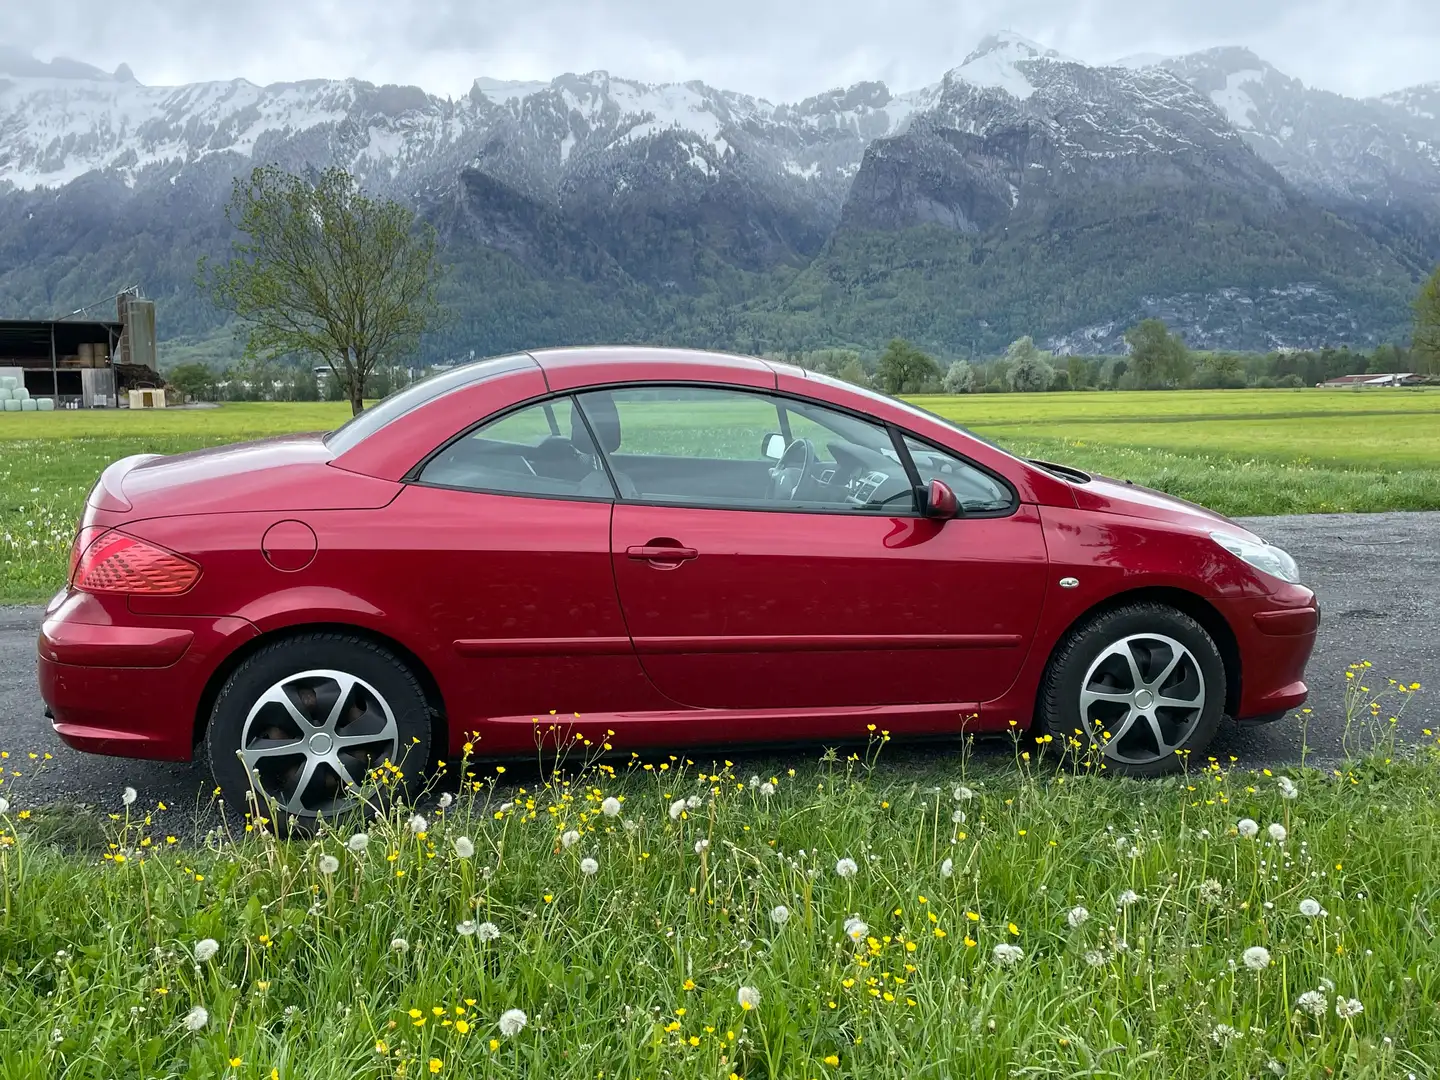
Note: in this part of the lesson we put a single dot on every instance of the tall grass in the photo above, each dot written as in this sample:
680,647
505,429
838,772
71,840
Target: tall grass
1032,920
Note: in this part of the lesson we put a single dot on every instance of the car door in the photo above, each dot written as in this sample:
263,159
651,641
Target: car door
742,592
507,529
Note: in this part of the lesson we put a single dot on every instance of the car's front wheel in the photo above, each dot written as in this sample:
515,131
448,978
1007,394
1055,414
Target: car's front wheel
312,722
1138,687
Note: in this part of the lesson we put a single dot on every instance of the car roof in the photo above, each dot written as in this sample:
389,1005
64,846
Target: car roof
567,368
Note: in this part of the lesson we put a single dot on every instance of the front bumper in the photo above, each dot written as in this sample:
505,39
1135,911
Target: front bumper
1275,635
128,685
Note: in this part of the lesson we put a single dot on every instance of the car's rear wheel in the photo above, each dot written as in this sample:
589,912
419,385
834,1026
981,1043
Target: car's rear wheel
1138,687
311,724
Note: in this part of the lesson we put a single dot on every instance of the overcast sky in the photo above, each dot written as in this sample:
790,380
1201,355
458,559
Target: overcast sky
778,49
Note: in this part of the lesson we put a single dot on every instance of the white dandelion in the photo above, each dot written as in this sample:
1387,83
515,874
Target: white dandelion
676,809
748,997
329,864
754,781
779,914
1248,828
1348,1008
1310,907
569,838
846,868
1256,957
4,805
610,807
196,1018
512,1022
1126,898
1094,957
963,794
127,797
417,824
1006,955
205,949
1277,832
1313,1002
767,789
1288,790
701,846
487,931
1327,986
693,802
1223,1034
856,928
466,928
1211,891
958,817
1077,916
464,847
399,945
445,800
589,866
358,842
947,868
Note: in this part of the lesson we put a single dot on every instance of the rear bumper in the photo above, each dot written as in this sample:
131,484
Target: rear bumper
128,690
1276,635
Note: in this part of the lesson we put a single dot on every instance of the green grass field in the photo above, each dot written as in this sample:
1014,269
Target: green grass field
1240,452
826,918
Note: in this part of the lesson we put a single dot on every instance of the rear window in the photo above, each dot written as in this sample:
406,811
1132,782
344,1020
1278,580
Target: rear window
356,430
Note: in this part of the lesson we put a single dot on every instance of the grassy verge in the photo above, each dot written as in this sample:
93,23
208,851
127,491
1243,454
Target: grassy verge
685,919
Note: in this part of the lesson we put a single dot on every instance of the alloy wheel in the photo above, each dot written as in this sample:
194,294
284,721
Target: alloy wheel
311,740
1142,698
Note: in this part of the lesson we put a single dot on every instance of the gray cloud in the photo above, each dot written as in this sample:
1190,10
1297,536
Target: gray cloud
772,48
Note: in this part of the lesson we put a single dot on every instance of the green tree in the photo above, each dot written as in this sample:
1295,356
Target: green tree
960,379
1079,371
193,380
1157,357
1026,369
323,269
905,369
1426,342
854,372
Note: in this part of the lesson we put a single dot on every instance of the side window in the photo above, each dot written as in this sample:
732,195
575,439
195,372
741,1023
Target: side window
542,449
978,492
702,446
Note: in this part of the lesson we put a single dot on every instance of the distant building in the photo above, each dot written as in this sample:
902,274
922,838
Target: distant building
84,364
1405,378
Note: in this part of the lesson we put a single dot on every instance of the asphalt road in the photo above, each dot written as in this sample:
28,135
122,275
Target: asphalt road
1378,576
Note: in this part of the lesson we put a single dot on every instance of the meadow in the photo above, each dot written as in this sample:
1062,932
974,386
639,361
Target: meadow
622,918
1246,452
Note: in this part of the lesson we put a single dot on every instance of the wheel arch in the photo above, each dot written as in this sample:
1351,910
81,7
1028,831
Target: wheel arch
1188,603
439,744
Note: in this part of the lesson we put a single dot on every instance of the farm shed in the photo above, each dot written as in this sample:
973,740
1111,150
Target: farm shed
81,364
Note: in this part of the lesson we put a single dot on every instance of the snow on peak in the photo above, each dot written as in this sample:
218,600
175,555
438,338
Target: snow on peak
502,90
996,61
1233,100
1139,61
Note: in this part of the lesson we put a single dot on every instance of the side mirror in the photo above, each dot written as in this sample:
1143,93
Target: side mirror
940,501
772,446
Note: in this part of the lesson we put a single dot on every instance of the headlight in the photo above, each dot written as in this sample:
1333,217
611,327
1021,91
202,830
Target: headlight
1264,557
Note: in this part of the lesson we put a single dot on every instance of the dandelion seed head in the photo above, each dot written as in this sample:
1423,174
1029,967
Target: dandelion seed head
1348,1008
856,928
1126,898
512,1022
1248,828
589,866
1094,957
466,928
196,1018
464,847
676,809
779,914
446,800
610,807
1077,917
487,931
1256,957
358,842
1007,955
947,868
702,845
963,793
128,796
328,864
748,997
767,789
399,945
205,949
846,868
417,824
1277,832
1223,1034
1287,787
1310,907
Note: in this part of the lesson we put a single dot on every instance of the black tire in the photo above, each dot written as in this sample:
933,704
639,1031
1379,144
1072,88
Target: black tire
383,682
1058,709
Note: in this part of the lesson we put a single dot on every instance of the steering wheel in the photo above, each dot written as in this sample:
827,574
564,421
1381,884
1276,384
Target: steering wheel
791,471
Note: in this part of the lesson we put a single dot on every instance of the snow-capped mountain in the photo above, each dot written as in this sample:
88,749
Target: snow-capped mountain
1378,159
644,192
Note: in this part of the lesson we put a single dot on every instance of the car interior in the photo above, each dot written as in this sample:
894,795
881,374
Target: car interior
815,459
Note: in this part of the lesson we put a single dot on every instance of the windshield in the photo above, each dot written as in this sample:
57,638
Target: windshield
875,395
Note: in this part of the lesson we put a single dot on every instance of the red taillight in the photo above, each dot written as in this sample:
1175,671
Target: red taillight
117,563
83,539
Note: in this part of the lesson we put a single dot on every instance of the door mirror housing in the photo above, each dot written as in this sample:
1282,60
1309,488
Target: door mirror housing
773,446
940,502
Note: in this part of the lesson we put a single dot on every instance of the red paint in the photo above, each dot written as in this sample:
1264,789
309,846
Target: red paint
671,625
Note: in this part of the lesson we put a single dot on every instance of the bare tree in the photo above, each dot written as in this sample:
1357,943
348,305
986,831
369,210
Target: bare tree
321,268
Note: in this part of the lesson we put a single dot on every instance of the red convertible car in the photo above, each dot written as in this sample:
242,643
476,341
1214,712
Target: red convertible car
684,548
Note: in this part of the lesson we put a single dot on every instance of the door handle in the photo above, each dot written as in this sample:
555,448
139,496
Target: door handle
661,553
